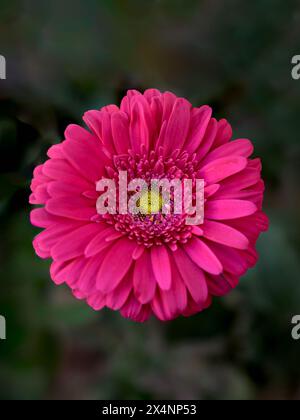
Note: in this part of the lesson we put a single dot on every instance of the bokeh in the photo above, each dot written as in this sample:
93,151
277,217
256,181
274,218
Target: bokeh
66,57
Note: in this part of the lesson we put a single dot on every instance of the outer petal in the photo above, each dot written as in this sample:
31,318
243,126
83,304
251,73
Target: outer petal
219,169
98,243
208,139
73,244
224,234
203,256
76,208
228,209
178,125
134,310
164,305
239,147
224,133
161,266
144,281
111,271
94,121
200,118
89,161
120,132
192,275
139,128
117,298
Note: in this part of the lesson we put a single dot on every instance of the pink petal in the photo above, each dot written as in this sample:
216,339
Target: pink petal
252,225
134,310
200,118
55,269
203,256
87,280
127,101
106,136
219,169
210,190
117,298
254,194
255,164
192,276
41,218
196,230
94,121
78,294
110,109
250,255
73,276
224,133
224,234
143,279
98,243
59,170
75,132
139,131
115,265
156,111
208,139
40,195
240,181
239,147
179,289
152,93
67,272
74,243
138,252
96,301
56,151
178,125
87,160
120,132
161,137
42,253
50,236
76,208
168,101
161,266
113,236
218,285
228,209
231,259
58,189
164,305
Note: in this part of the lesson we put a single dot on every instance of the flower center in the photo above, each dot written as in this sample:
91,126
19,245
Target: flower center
151,226
150,202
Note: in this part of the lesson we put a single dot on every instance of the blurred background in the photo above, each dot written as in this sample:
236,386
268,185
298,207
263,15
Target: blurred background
66,57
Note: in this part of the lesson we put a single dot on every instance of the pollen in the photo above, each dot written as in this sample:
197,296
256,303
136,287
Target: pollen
150,202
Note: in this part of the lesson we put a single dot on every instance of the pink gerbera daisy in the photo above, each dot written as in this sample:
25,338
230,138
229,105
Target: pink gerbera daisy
143,266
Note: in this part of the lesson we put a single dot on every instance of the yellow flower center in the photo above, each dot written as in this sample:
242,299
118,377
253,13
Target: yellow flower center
150,202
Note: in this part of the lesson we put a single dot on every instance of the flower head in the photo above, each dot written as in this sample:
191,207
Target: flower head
152,262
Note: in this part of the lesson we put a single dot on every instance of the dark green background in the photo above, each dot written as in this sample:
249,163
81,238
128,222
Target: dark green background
64,57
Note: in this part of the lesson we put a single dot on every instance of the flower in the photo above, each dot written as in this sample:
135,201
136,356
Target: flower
152,264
